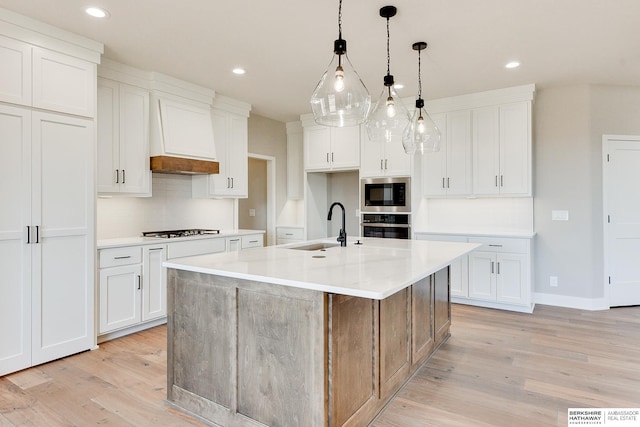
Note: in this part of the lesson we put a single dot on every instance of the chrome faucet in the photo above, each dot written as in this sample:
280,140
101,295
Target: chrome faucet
342,237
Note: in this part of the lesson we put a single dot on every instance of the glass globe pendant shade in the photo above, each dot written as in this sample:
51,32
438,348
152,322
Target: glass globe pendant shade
340,98
421,134
388,118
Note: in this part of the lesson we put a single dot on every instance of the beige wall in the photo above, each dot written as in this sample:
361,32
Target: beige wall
568,126
257,199
269,138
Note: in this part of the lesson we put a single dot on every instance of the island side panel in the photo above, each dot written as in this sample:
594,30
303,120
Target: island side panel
276,364
422,325
441,305
353,360
395,328
276,334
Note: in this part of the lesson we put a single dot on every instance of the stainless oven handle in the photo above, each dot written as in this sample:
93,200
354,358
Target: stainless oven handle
382,224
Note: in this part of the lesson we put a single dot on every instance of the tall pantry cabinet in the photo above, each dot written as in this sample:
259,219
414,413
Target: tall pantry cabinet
47,221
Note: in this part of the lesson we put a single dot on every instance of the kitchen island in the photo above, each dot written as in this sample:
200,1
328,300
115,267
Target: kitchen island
304,334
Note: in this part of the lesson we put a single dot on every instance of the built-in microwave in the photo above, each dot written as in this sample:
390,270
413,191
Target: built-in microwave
385,195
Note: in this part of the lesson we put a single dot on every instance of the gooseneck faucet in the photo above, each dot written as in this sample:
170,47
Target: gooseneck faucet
342,237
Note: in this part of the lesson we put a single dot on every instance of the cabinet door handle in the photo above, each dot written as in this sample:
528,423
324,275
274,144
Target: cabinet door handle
327,157
498,268
37,234
331,157
381,168
122,257
28,235
139,282
124,177
117,176
443,182
232,183
492,267
496,180
385,164
448,182
501,181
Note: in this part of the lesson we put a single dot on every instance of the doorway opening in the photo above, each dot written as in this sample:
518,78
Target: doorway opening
258,211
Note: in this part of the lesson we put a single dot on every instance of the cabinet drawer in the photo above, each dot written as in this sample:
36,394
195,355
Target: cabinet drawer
501,244
294,233
120,256
252,241
195,247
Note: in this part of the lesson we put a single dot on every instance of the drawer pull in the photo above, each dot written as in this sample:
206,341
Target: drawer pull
288,234
122,257
496,246
155,249
253,241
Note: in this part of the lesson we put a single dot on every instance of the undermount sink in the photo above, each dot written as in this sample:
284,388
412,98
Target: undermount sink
315,246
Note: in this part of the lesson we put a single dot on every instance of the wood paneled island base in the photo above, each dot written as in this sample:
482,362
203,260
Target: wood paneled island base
248,353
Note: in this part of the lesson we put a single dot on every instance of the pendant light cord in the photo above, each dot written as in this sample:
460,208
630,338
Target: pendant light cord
419,76
340,20
388,55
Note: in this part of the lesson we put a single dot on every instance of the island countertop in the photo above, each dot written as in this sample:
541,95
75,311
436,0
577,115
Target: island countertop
376,269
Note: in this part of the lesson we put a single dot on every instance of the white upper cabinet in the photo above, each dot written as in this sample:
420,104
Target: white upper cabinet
230,126
36,77
486,145
123,139
330,148
502,150
383,159
15,71
448,171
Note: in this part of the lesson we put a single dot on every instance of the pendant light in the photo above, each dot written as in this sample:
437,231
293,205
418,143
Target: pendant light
340,98
389,116
421,134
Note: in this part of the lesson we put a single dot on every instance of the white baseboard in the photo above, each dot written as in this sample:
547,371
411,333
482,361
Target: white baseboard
571,302
131,330
491,304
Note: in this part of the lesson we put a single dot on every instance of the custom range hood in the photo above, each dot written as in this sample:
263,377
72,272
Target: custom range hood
181,128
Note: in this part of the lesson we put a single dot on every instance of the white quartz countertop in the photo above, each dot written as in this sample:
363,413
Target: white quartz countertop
376,269
519,234
139,240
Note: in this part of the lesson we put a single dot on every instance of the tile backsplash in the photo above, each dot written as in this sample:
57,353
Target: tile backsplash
171,207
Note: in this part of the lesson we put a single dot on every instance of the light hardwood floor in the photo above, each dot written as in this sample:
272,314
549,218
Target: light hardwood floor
497,369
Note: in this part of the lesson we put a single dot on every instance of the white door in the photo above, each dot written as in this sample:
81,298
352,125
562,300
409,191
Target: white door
63,200
621,187
15,258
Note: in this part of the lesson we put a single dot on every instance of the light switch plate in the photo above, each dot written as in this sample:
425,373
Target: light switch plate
560,215
252,212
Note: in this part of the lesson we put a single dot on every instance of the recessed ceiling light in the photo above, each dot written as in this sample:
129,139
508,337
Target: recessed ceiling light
239,71
398,86
97,12
513,64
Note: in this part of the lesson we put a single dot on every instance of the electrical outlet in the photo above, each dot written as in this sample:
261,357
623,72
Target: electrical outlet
252,212
560,215
553,281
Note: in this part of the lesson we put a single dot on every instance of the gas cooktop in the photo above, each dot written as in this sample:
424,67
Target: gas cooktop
179,233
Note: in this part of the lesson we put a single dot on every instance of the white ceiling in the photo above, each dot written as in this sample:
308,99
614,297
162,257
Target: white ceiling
285,45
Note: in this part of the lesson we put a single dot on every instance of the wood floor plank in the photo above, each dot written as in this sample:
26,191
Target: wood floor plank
497,369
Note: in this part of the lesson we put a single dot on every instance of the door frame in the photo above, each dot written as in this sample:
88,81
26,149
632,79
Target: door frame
271,195
607,140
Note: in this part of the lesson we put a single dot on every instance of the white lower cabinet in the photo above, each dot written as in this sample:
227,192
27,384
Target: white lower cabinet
133,286
496,275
